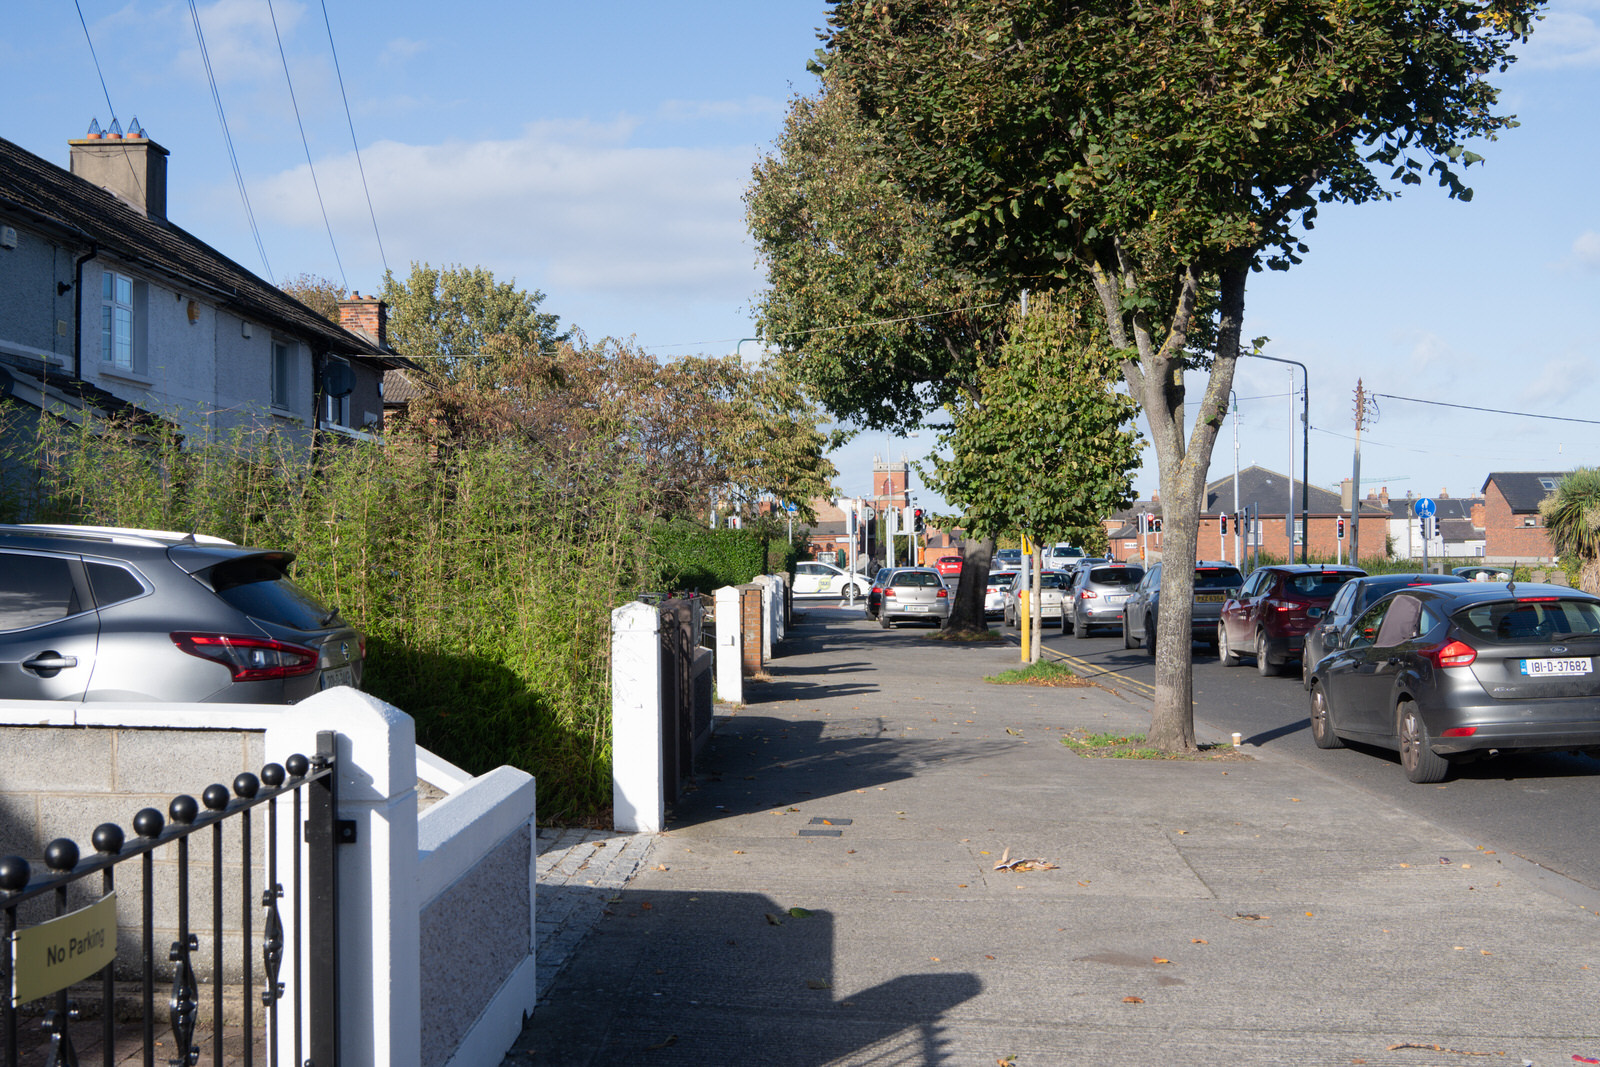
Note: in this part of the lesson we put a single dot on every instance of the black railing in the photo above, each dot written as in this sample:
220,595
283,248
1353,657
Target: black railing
311,786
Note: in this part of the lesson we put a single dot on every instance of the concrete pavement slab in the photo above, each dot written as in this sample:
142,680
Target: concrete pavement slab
828,895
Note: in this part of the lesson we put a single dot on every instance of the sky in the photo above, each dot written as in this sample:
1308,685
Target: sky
599,152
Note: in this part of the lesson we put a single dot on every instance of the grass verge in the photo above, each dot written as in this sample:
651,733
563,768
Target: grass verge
1132,746
1045,672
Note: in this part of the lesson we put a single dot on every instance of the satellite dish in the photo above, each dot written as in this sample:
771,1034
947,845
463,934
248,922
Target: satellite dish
338,379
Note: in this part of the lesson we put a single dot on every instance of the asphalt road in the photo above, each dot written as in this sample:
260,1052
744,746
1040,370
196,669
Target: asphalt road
1542,808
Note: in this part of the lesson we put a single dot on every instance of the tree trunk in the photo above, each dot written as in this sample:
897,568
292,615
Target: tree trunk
966,611
1156,381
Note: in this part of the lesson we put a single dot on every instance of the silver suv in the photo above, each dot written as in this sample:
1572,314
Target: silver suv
103,613
1214,582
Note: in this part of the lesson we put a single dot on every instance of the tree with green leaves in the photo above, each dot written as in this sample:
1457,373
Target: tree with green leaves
1572,520
1164,151
321,295
452,317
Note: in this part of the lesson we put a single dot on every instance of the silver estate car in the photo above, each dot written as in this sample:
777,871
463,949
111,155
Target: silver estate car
101,613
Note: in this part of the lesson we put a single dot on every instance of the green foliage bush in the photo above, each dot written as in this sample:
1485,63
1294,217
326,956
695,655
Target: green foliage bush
686,556
483,583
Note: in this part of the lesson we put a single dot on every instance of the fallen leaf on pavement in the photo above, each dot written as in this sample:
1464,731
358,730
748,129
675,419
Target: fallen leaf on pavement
1437,1048
1159,959
818,983
773,920
799,913
1198,941
671,1039
1133,1000
1250,917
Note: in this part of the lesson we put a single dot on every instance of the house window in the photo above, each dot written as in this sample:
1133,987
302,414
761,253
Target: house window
283,361
1530,521
116,319
1299,532
1548,483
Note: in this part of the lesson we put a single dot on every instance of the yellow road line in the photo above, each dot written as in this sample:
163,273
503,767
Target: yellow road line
1084,669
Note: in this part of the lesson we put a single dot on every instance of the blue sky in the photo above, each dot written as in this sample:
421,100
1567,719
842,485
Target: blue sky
598,152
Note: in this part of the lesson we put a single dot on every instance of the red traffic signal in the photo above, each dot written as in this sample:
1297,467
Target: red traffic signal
1224,526
1341,527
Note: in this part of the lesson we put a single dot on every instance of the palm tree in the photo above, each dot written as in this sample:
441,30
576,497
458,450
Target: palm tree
1572,518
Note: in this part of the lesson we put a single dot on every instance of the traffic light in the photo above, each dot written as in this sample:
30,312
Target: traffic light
1155,523
917,523
1341,527
1224,526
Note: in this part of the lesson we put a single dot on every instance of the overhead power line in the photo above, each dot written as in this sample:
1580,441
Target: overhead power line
362,170
315,185
1492,411
227,137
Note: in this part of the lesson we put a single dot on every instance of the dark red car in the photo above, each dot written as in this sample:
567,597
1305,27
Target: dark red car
948,566
1273,611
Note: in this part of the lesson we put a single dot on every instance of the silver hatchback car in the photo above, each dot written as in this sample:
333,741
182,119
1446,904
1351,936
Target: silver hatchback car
100,613
914,593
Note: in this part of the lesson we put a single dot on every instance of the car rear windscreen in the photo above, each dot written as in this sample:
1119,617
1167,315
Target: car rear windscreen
916,580
1115,575
1217,577
1318,584
1514,621
261,590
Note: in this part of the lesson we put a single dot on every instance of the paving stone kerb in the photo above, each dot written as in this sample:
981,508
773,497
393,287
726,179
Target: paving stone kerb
1203,912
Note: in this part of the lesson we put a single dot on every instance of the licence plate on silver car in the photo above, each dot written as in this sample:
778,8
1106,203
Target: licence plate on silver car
338,676
1544,667
916,607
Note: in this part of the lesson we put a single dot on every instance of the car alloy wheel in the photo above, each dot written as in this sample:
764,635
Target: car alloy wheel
1080,626
1321,726
1421,763
1149,637
1127,634
1225,651
1264,665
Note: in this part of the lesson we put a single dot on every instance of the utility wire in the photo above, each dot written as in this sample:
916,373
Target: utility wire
359,168
96,59
315,185
233,157
1492,411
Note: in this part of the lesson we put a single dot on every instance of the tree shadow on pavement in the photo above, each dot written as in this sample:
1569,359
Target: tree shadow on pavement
694,977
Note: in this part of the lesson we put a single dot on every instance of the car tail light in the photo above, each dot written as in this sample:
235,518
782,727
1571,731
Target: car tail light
1087,594
1536,599
943,593
1455,654
251,659
888,592
1460,731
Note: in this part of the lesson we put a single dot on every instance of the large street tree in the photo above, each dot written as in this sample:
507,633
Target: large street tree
1572,520
1164,151
454,318
868,309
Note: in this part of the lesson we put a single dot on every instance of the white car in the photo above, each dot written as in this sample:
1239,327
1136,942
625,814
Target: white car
994,595
814,578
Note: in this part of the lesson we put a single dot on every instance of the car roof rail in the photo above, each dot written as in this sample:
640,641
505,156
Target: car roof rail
116,534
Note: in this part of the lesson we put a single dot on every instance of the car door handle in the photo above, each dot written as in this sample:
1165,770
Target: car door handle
49,661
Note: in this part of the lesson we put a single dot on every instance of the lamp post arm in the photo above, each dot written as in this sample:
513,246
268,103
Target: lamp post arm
1305,453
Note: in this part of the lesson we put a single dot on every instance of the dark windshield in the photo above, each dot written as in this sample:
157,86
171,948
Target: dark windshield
1115,575
1217,577
260,589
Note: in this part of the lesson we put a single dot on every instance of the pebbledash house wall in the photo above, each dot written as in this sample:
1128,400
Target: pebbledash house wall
1507,536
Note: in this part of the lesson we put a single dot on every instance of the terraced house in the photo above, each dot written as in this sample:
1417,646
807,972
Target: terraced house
108,307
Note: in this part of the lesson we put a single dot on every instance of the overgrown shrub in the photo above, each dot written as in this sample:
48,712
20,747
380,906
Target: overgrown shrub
484,582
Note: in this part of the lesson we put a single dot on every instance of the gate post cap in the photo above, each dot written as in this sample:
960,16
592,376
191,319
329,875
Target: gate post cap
14,873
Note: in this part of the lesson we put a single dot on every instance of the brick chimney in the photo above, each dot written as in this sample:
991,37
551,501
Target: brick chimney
132,168
1383,496
367,316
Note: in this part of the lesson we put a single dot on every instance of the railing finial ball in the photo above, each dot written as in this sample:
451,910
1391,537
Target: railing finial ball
216,796
273,774
108,838
298,765
61,854
149,822
247,785
14,873
183,809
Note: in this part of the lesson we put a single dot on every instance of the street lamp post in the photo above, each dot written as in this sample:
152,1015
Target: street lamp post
1305,457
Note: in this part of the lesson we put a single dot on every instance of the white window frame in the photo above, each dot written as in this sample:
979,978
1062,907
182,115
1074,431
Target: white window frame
1299,532
116,321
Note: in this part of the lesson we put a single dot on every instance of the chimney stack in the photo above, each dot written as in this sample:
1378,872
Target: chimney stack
367,316
132,168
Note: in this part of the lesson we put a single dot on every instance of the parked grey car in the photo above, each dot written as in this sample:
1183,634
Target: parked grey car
1463,671
1214,582
99,613
1351,600
914,593
1098,592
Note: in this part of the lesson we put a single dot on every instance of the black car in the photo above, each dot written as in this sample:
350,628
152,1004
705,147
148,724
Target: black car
1352,599
1464,671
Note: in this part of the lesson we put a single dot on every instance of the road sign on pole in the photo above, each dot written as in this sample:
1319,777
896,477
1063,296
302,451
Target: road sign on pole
1424,507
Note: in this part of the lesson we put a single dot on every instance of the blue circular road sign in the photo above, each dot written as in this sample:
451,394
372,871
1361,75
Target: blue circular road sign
1424,507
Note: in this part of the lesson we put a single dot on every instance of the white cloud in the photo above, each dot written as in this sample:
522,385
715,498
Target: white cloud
401,49
1567,37
760,106
240,41
1586,252
567,206
1558,380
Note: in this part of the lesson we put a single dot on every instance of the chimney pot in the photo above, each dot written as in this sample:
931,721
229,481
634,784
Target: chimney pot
134,172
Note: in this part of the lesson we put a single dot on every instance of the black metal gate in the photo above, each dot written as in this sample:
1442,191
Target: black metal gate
310,786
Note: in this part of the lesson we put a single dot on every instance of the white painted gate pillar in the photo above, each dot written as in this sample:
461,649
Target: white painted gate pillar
638,787
729,654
